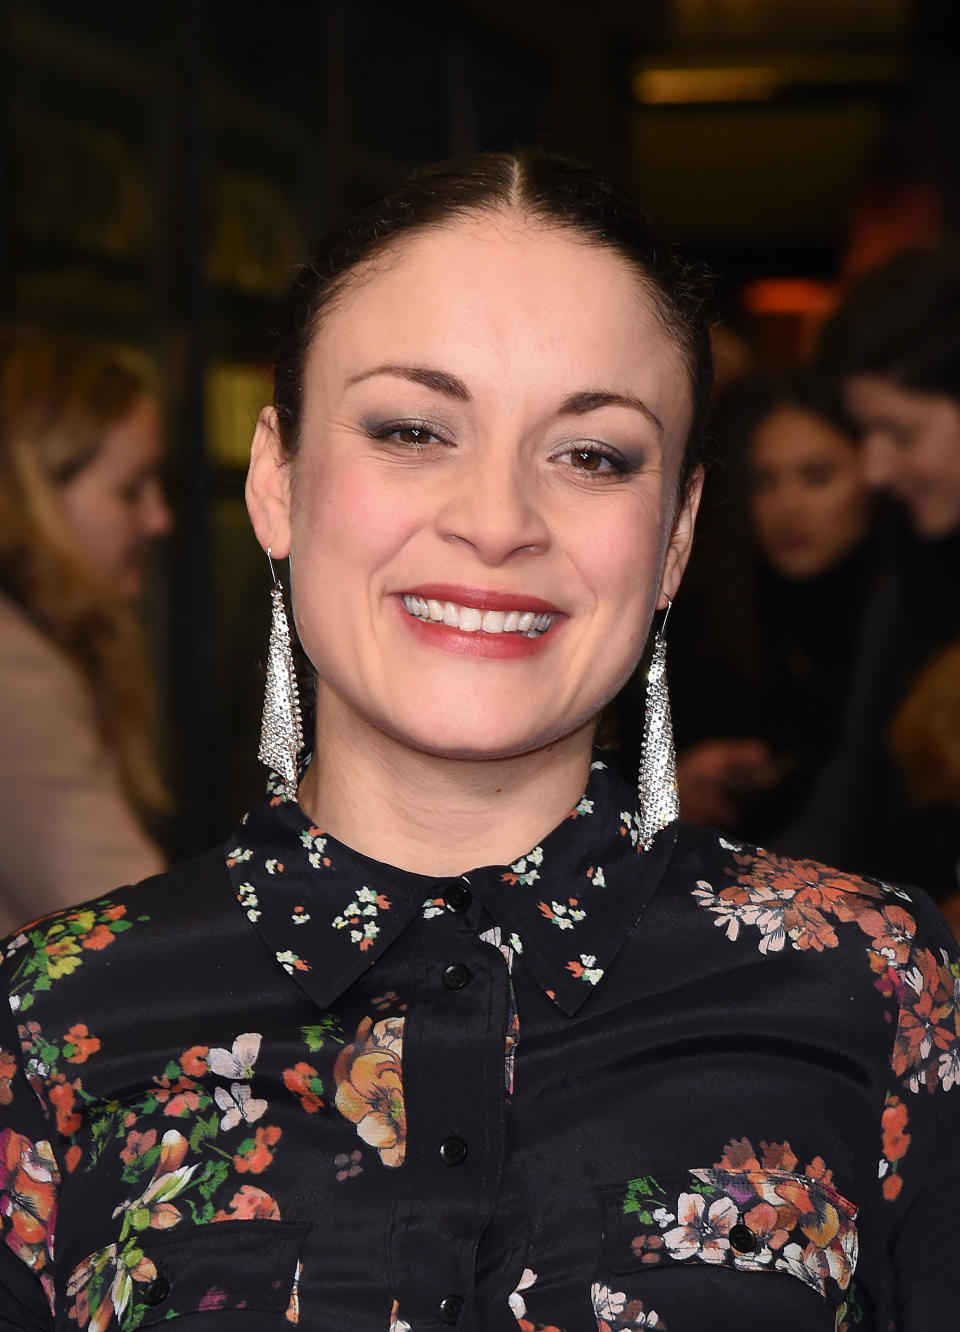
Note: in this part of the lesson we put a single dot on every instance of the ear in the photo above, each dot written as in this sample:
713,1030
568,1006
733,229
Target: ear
681,540
268,487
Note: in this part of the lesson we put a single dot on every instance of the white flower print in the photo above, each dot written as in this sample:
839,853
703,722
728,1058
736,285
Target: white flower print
247,897
662,1217
315,844
300,916
586,969
273,866
433,906
238,1105
607,1303
564,916
525,870
948,1069
701,1232
236,1063
291,961
239,856
518,1305
584,807
596,877
515,943
359,917
631,825
597,766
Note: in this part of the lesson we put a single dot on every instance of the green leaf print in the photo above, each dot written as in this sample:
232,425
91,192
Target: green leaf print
327,1029
641,1193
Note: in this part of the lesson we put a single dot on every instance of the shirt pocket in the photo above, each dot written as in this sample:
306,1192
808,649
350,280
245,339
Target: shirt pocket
756,1221
157,1277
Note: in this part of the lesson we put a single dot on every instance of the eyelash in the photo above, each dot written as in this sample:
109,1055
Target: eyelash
619,466
386,432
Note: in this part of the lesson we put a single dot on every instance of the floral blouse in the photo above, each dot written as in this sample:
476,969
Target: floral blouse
595,1090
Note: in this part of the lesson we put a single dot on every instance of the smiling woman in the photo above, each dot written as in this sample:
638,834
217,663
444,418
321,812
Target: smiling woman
453,992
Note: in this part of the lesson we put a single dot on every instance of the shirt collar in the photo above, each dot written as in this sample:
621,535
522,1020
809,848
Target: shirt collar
326,912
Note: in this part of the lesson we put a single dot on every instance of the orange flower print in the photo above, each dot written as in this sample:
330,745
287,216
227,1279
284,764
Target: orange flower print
8,1070
255,1156
78,1044
98,938
250,1204
28,1195
305,1083
63,1096
179,1097
194,1061
896,1140
369,1078
138,1144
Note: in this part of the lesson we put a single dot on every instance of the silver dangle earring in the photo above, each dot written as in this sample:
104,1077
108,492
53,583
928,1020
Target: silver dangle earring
657,781
281,734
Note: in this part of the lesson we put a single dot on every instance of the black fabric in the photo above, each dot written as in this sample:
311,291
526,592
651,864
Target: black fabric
245,1095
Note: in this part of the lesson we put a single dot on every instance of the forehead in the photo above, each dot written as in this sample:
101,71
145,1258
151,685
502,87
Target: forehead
790,434
506,303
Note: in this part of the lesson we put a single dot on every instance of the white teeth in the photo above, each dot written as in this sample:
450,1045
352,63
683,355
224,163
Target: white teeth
471,620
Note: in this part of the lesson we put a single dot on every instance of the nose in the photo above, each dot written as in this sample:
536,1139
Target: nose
878,459
495,508
156,520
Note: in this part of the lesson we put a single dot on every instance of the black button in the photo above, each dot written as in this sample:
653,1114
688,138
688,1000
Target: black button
156,1292
456,976
452,1151
457,898
742,1238
451,1307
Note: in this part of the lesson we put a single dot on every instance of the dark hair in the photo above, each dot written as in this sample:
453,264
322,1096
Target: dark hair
750,401
902,322
549,189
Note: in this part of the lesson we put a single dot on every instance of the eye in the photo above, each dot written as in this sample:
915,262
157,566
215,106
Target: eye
596,460
414,435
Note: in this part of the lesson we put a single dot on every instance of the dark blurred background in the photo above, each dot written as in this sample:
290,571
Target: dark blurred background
163,168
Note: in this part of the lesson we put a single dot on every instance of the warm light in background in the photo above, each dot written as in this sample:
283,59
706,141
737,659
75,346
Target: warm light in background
661,87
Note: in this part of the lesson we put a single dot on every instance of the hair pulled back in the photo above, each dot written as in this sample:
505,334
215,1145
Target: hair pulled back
901,322
546,189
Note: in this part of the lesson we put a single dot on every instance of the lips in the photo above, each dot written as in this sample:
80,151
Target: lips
478,620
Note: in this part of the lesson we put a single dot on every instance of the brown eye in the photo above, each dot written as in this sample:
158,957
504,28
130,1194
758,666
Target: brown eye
586,460
415,435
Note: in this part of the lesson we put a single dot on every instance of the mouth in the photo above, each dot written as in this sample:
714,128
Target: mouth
479,620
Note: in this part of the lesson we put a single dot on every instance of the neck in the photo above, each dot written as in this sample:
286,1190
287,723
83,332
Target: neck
435,815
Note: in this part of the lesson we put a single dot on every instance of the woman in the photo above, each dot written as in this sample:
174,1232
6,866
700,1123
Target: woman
370,1085
80,503
772,607
894,346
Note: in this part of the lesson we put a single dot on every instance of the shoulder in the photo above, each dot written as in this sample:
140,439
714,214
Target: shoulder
788,904
130,932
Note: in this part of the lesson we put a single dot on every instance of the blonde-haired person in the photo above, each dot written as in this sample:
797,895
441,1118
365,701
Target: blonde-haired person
80,500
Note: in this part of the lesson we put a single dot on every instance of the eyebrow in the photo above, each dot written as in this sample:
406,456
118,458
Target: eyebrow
437,380
577,404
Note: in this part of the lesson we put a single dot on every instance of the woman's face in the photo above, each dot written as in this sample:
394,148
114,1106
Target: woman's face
808,496
911,447
482,512
115,506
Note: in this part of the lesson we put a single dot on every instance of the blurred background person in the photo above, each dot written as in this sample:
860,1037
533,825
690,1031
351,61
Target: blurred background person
895,347
80,503
767,640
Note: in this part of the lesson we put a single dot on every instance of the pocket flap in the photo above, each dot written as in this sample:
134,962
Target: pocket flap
762,1220
251,1265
